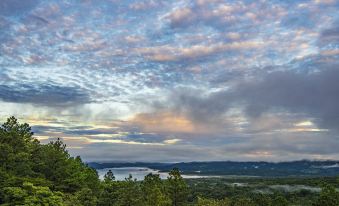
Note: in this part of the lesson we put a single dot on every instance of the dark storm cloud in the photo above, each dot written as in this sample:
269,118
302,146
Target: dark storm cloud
146,153
315,94
39,129
303,143
202,108
47,95
145,137
79,131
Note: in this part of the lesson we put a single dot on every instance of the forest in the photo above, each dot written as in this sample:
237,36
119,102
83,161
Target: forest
35,174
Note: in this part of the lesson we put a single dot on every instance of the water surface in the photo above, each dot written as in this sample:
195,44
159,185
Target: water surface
139,173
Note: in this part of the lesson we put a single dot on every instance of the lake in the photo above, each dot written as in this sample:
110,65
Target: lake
138,172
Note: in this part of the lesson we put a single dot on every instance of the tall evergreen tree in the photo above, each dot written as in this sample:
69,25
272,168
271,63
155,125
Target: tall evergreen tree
110,190
129,193
154,193
109,176
177,188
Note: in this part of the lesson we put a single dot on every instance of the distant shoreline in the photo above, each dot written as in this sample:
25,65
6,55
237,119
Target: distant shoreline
303,168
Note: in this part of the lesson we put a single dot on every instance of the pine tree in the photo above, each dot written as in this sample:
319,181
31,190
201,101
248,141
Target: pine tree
129,193
154,193
177,188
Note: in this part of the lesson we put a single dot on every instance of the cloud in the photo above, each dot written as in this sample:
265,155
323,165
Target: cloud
325,1
182,17
174,80
48,95
330,36
164,122
225,16
144,153
172,141
16,7
314,94
168,53
213,13
303,19
144,5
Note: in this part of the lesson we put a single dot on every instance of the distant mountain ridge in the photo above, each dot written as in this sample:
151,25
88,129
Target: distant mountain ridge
223,168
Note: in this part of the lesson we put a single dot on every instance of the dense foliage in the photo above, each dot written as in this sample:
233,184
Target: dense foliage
35,174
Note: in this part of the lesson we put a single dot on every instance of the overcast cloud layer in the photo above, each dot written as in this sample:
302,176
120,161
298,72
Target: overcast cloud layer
175,80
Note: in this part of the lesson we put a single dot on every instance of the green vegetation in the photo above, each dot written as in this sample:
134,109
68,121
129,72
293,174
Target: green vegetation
34,174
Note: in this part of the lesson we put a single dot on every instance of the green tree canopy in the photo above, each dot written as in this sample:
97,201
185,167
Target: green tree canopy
177,188
328,196
154,193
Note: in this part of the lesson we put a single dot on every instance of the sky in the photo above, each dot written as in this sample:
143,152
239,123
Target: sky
172,81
